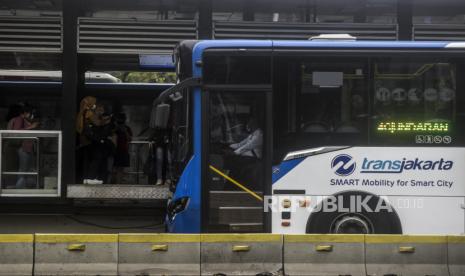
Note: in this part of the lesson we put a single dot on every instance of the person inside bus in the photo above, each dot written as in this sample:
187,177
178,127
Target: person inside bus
245,162
251,146
24,121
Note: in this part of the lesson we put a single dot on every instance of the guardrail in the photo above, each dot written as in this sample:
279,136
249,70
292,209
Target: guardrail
231,254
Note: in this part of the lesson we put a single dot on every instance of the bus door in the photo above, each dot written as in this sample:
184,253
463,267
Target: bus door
237,159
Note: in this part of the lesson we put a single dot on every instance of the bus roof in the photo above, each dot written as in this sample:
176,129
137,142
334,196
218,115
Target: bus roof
190,50
329,44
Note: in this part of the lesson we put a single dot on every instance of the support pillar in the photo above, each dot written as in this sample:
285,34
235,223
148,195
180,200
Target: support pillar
69,101
205,23
405,19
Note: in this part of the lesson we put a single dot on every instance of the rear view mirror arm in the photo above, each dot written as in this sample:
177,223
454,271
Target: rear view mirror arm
190,82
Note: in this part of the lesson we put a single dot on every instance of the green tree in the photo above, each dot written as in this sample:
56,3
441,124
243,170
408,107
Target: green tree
145,77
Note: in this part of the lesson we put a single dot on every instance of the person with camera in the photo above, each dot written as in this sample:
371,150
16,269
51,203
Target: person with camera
98,130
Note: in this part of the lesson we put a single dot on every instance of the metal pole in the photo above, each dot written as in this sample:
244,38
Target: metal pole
70,92
37,163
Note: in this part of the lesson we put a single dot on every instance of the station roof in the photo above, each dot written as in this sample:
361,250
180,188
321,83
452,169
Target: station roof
262,5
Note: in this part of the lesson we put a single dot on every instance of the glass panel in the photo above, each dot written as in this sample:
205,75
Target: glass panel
45,111
20,166
360,101
30,163
231,69
236,165
414,102
130,77
134,174
319,102
180,141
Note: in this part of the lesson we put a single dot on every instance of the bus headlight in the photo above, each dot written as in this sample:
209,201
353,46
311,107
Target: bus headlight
177,206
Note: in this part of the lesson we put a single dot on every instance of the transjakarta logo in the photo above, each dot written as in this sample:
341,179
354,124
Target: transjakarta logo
398,166
343,165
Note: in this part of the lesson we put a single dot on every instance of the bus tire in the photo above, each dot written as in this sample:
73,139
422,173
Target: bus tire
354,221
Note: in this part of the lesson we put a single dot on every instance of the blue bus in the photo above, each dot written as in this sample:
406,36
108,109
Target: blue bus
318,136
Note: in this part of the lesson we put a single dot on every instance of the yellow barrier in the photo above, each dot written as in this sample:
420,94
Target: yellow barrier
76,254
231,254
159,254
406,255
456,255
324,255
240,254
16,254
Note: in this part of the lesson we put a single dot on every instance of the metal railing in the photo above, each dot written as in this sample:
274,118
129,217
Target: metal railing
126,36
31,34
301,31
133,36
435,32
41,151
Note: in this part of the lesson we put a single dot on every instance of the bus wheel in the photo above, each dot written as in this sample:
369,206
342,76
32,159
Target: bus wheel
343,213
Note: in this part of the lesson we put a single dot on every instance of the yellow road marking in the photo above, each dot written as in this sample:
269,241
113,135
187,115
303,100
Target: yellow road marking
153,238
16,238
240,238
372,239
315,238
456,239
76,238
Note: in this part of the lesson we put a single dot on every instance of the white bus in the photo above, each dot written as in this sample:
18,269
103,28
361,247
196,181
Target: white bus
328,136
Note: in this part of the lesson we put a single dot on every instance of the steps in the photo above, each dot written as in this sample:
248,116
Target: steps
235,211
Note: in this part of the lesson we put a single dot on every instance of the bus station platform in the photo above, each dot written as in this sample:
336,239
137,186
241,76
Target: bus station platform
231,254
118,191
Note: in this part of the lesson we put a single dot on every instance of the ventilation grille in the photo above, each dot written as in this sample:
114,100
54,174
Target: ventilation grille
292,31
132,36
30,34
439,32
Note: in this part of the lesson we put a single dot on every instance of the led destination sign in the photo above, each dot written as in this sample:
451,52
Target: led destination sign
405,127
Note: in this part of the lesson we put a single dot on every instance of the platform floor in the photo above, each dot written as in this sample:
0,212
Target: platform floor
57,223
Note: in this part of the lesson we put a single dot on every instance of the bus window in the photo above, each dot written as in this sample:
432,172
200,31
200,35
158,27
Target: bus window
181,132
236,121
237,69
236,161
413,101
319,102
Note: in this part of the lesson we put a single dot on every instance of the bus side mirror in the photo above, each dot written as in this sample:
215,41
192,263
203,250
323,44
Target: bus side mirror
160,115
176,96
